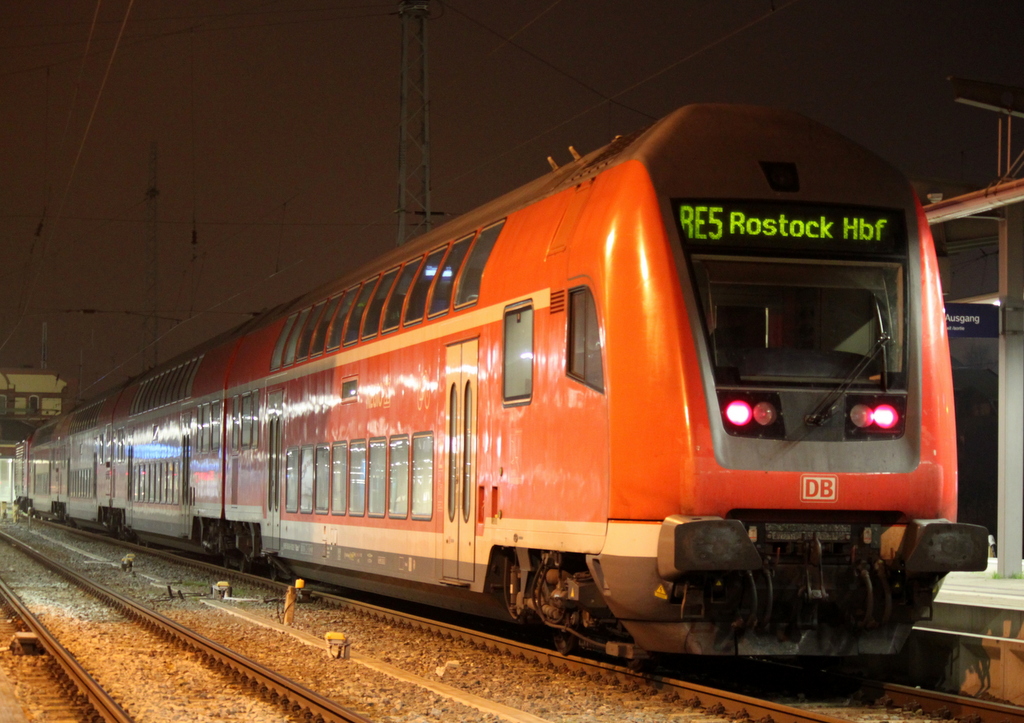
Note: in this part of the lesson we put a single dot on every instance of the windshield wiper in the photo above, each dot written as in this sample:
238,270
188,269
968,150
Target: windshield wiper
826,408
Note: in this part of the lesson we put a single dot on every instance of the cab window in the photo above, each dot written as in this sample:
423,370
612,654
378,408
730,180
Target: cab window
583,356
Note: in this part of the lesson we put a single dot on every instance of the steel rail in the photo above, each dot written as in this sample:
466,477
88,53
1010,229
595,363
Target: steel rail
289,693
941,705
98,698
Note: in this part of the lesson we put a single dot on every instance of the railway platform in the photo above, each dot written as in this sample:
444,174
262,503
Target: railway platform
974,642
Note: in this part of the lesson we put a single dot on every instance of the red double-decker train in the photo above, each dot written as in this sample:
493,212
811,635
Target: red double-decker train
689,393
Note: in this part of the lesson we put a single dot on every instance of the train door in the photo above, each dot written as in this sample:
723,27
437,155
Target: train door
63,475
105,486
132,489
185,489
119,475
460,463
275,436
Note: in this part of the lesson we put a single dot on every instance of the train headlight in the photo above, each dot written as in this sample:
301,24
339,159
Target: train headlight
739,413
861,415
752,414
765,413
875,416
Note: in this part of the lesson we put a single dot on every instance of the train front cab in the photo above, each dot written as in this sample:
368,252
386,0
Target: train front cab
795,486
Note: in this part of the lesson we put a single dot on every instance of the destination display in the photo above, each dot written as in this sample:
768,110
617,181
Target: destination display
789,226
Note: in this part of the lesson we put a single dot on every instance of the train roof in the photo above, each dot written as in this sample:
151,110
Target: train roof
663,147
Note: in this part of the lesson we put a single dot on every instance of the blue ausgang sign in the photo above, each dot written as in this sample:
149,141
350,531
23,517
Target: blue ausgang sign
972,320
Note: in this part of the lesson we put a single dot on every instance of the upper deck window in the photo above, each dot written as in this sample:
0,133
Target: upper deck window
338,325
275,360
469,285
393,314
418,296
441,297
356,317
316,347
293,338
306,338
371,324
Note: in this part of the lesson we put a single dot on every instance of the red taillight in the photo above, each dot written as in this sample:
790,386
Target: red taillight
885,416
739,413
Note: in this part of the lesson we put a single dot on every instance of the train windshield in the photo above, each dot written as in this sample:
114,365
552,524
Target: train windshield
802,322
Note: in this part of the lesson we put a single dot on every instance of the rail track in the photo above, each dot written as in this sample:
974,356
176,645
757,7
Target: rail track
287,693
894,698
91,695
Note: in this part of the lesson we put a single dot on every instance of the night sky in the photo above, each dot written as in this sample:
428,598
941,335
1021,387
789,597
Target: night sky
276,125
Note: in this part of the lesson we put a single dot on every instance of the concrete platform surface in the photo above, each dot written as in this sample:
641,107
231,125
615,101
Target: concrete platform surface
982,589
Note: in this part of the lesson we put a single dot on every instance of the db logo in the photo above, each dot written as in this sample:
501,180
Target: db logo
819,488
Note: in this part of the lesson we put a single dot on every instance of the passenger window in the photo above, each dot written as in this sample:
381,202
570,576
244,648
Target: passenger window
378,475
293,339
339,477
307,472
357,478
236,423
246,420
215,426
418,296
291,480
275,360
356,317
469,285
306,337
255,418
323,477
441,297
518,377
204,443
371,324
398,477
393,314
316,348
334,338
583,357
422,476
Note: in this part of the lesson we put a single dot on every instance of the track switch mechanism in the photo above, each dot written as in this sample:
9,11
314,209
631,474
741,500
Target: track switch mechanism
338,645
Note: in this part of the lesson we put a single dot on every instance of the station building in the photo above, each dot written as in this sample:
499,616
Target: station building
28,398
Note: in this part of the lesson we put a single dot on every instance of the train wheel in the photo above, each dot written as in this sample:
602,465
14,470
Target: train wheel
565,642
